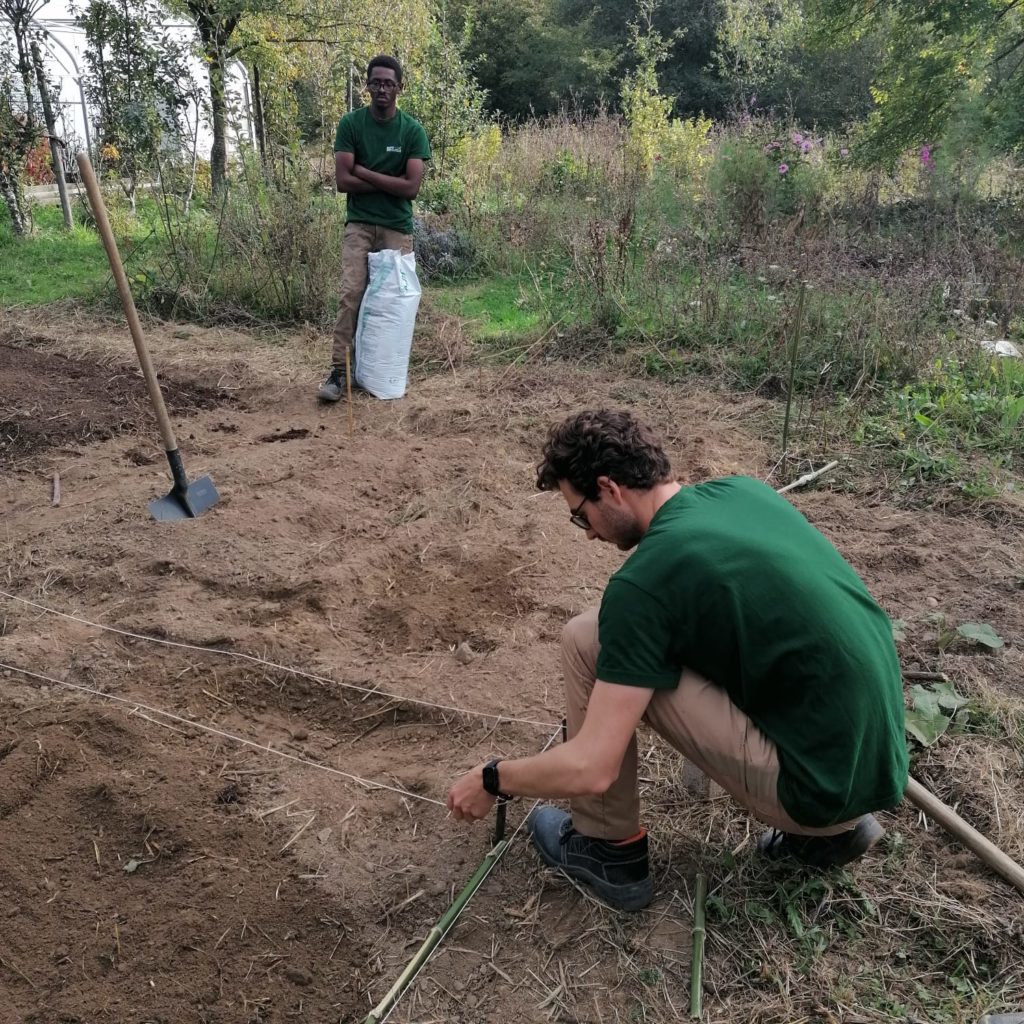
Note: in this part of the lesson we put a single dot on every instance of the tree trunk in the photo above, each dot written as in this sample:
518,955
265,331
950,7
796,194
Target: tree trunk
9,192
261,124
219,117
55,143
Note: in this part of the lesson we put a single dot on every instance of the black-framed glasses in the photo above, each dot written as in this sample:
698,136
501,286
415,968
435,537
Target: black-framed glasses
577,518
377,84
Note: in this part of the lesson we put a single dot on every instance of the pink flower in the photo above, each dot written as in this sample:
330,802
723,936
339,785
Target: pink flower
926,156
657,157
783,168
805,146
844,152
796,138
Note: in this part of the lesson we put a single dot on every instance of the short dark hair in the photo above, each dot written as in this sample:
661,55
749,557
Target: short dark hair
382,60
602,442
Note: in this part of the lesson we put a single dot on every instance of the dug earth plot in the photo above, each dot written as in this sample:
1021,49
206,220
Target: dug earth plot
154,867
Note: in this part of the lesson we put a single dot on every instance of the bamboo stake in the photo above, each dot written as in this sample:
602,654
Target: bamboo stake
435,935
697,963
348,383
797,334
983,848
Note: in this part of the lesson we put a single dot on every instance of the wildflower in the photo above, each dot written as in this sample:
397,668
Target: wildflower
805,146
796,138
110,152
844,152
926,156
783,168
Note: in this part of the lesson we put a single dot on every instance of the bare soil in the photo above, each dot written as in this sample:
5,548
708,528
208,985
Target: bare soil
154,870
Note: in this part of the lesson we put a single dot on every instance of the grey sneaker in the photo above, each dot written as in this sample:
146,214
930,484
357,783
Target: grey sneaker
823,851
332,388
618,872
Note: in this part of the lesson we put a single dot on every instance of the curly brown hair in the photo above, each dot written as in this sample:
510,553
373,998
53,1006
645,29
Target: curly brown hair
602,442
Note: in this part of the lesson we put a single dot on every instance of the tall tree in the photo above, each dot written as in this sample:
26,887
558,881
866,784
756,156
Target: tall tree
943,60
56,142
134,83
19,124
216,22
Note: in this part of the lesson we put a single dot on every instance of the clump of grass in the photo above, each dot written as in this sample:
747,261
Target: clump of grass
51,263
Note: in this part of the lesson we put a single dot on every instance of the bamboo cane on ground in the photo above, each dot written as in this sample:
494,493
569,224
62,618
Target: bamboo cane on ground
959,829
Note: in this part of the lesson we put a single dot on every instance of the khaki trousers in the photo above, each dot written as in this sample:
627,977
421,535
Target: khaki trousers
699,720
360,241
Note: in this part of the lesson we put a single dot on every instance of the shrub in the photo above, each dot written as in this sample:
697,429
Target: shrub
684,151
269,248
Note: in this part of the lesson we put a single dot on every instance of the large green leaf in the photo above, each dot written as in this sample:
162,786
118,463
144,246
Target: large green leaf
981,633
933,708
926,727
948,698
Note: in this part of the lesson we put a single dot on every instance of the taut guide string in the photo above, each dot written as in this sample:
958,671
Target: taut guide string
213,730
369,691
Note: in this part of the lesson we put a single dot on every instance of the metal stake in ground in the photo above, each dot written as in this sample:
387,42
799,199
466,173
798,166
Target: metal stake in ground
185,500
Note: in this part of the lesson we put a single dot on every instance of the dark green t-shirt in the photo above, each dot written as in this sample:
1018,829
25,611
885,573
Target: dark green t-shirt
733,583
386,148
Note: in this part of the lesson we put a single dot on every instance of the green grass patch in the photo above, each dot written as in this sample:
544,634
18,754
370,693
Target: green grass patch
494,309
959,424
51,263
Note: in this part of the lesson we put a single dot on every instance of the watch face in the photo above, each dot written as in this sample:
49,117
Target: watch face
491,777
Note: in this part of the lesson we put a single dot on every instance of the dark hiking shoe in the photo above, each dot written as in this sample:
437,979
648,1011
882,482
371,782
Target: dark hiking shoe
618,873
332,388
823,851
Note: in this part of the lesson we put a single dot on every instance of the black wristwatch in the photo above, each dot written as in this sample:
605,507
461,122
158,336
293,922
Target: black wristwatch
492,784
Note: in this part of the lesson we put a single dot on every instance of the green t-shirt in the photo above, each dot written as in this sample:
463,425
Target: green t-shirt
733,583
386,148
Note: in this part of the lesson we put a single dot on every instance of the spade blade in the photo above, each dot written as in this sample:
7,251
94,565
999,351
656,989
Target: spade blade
193,501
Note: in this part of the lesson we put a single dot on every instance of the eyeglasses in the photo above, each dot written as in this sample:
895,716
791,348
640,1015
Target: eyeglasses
577,518
378,84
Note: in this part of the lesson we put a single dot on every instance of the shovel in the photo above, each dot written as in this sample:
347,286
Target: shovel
185,500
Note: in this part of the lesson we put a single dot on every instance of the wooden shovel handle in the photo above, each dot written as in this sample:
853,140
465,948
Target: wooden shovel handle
99,210
966,834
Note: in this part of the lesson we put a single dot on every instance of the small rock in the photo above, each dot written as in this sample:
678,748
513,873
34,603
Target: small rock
323,835
932,602
297,976
300,734
464,654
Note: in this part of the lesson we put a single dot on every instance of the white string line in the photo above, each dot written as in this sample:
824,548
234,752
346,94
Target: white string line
451,924
368,783
283,668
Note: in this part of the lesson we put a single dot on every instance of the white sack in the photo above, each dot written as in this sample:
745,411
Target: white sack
387,317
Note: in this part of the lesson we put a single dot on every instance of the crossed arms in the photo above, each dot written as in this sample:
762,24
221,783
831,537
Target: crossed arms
357,180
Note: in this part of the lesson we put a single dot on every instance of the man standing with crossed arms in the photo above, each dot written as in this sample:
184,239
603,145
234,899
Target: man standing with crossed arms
379,153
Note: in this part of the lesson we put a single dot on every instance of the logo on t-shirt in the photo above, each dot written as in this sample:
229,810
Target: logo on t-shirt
393,149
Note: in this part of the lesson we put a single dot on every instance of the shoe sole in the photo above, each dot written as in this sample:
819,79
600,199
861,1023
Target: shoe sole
328,398
629,898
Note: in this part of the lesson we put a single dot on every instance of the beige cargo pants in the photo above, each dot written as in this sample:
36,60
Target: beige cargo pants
360,241
700,721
